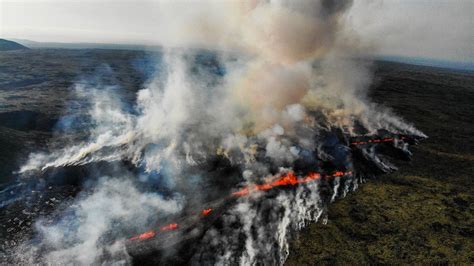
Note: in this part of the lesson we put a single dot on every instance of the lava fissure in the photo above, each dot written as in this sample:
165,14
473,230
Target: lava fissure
288,179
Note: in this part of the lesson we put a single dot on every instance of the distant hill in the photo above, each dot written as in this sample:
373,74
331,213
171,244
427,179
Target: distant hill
6,45
61,45
465,66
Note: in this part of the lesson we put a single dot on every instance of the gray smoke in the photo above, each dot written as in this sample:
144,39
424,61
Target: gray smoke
289,60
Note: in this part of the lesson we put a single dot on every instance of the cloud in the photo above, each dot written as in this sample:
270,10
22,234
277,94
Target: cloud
430,29
433,29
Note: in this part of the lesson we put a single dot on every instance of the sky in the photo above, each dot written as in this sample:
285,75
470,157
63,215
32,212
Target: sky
437,29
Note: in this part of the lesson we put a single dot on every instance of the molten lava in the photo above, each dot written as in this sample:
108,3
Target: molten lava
169,227
376,141
206,211
152,233
143,236
288,179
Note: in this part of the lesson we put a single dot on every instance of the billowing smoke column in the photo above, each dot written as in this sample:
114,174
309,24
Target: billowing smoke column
224,134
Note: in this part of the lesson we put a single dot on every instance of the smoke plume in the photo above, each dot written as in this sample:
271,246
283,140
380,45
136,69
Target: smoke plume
286,76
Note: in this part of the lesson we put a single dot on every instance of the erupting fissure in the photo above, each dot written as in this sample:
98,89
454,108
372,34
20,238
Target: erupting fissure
288,179
283,180
389,139
206,211
152,233
272,93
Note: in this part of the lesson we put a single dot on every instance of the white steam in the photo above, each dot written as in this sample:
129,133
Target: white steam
265,224
296,62
80,236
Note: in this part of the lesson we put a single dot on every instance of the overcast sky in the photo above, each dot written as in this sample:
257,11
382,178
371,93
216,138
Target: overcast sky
440,29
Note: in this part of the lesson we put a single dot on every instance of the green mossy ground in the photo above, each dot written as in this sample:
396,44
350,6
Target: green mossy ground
423,213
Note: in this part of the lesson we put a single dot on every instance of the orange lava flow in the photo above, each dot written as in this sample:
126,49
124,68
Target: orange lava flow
288,179
206,211
242,192
375,141
169,227
143,236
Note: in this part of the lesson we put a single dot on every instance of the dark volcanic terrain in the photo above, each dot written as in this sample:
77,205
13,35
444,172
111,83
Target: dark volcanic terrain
36,90
6,45
423,213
